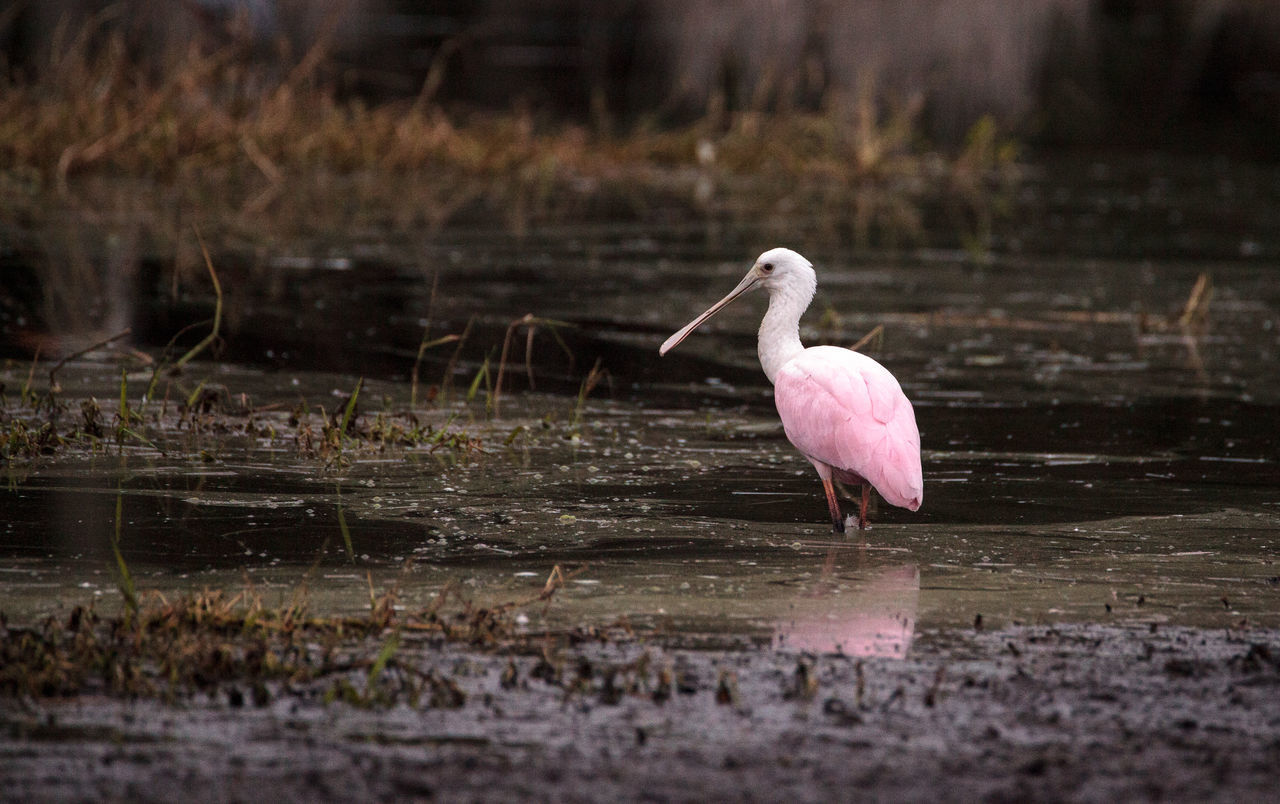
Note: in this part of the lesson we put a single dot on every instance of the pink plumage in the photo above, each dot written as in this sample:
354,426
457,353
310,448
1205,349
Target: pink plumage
844,411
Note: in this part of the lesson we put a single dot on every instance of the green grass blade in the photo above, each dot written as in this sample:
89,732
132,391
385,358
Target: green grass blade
346,534
217,308
380,663
127,589
351,407
142,439
482,374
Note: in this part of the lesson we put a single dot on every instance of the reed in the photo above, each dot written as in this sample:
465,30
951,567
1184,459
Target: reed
212,337
262,157
531,325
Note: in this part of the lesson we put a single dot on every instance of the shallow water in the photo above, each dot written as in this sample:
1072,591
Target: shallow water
1086,459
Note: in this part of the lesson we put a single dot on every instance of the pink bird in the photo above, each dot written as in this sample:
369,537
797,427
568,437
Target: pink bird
844,411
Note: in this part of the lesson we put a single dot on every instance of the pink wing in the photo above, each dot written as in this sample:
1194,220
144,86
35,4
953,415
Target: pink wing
842,408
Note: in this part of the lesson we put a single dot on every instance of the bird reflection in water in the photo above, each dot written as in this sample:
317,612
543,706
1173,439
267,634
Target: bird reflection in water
853,611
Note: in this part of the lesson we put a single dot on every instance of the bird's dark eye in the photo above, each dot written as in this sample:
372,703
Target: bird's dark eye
767,267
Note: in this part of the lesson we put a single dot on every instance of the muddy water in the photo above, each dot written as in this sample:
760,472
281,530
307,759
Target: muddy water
1086,458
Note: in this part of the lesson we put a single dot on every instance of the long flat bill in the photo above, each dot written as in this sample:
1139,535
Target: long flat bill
747,283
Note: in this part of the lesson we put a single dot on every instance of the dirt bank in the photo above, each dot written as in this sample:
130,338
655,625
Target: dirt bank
1069,712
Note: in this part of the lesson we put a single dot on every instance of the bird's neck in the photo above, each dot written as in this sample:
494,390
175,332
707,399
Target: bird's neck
780,329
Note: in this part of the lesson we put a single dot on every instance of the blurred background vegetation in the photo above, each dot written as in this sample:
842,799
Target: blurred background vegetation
306,126
1057,72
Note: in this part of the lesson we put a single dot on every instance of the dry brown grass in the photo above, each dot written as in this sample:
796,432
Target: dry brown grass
211,640
260,157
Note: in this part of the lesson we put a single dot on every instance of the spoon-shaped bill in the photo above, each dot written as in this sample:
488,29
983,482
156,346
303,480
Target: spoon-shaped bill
748,282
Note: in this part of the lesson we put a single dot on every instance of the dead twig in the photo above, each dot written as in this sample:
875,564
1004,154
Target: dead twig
53,383
876,335
1196,311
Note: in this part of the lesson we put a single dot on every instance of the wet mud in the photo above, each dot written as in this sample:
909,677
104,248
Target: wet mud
1075,712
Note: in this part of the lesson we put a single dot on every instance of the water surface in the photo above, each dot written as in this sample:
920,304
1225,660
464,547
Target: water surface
1086,457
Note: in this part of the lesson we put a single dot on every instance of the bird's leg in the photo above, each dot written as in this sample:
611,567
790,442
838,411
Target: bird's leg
862,510
837,518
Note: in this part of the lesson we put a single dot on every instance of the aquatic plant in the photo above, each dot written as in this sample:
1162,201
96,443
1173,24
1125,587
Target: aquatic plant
128,590
531,325
422,348
217,315
19,439
210,641
589,383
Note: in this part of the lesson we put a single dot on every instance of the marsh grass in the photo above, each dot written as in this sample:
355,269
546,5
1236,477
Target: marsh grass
44,424
344,435
531,325
212,337
128,590
213,642
263,157
37,427
589,384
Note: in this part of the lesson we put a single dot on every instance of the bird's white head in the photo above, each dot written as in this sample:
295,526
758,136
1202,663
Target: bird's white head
783,270
780,271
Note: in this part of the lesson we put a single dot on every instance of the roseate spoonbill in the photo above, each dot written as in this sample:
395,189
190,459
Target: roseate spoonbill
844,411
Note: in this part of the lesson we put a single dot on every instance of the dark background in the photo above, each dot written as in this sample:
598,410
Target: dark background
1060,73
